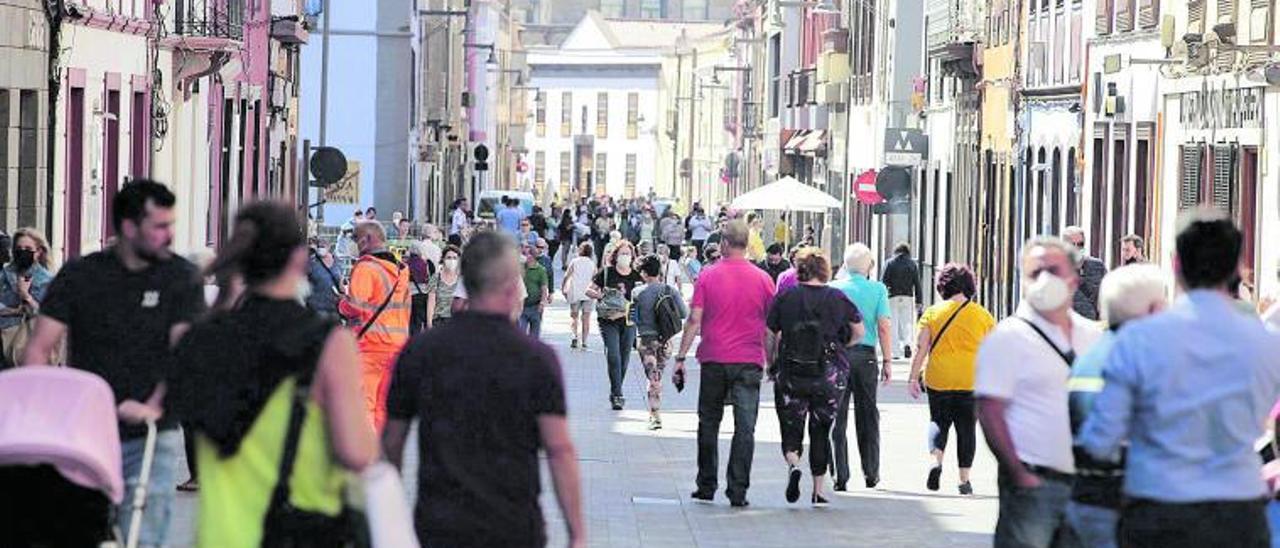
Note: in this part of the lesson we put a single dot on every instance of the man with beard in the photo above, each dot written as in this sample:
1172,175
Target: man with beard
123,309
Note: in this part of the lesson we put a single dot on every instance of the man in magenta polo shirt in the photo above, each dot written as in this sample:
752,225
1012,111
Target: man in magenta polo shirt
730,301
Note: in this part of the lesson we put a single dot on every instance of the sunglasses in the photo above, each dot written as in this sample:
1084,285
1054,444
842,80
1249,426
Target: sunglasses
1056,270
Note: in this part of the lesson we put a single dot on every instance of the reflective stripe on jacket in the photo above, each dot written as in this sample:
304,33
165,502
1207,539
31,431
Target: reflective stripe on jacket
372,278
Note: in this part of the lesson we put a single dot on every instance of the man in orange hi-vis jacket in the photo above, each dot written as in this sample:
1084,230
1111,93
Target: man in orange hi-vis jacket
377,307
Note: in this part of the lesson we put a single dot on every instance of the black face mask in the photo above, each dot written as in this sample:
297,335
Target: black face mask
23,258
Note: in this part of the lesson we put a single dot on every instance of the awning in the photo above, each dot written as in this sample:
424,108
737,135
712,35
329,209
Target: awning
814,143
793,144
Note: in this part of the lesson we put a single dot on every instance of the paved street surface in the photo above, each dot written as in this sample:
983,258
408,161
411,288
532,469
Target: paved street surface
636,483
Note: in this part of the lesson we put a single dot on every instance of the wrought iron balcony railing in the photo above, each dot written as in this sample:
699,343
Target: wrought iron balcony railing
209,18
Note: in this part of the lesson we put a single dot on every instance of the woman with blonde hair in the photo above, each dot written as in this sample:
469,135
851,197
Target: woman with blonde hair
23,286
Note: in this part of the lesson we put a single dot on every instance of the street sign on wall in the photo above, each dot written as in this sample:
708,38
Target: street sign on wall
347,189
905,147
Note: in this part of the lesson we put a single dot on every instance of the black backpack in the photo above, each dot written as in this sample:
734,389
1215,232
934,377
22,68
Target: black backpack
805,351
666,315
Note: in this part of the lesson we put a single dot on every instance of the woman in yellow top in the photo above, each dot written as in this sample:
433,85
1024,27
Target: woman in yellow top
236,390
950,332
755,243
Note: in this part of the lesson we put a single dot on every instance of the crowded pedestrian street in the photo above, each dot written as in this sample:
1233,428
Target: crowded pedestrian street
636,482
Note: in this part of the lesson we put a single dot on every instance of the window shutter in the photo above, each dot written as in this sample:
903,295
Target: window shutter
1189,187
1124,15
1224,174
1195,16
1102,18
1148,13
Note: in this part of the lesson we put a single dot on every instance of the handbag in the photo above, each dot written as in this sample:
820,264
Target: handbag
612,304
15,339
286,525
390,522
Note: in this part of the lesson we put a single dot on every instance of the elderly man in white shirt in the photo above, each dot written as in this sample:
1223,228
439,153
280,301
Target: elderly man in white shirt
1021,385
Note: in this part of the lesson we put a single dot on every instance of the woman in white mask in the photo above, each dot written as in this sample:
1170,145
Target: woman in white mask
442,287
612,287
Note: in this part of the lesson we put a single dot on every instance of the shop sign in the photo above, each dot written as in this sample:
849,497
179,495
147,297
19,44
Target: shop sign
1222,108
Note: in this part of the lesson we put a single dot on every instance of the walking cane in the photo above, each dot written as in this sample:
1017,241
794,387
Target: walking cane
140,490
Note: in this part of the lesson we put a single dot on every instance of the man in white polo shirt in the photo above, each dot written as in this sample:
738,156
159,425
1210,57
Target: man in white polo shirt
1023,367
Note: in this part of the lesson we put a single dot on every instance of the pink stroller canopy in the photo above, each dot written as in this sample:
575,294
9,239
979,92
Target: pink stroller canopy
64,417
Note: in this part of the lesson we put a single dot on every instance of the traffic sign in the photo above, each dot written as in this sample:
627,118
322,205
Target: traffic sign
481,153
905,147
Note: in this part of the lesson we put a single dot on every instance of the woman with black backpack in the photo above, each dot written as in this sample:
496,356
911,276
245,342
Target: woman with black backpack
658,313
810,324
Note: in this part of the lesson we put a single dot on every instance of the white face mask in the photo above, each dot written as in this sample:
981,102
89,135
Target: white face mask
451,264
624,261
1047,292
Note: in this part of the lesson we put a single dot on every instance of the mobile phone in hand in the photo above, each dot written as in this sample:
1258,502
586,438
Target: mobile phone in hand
678,379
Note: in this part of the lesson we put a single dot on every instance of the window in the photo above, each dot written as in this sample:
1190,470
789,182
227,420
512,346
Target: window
566,114
540,109
1102,17
1077,55
564,169
110,164
775,75
4,159
139,133
539,168
602,115
1059,45
695,10
1124,15
612,8
602,172
1148,13
633,115
651,9
1195,16
1260,21
630,190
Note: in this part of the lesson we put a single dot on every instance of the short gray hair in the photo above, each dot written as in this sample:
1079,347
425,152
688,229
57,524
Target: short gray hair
735,234
858,258
1128,292
1052,242
1073,230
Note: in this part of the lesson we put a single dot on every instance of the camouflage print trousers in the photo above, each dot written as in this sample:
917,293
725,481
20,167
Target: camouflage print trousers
797,399
654,355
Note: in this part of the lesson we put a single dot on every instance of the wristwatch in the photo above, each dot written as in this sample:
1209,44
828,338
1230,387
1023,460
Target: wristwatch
680,358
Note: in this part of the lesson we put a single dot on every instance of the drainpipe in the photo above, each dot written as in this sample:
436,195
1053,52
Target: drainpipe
53,13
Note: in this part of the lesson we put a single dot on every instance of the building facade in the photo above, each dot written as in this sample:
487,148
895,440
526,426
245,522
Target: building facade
596,108
24,120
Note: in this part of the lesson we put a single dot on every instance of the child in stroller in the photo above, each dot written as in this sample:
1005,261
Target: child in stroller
60,461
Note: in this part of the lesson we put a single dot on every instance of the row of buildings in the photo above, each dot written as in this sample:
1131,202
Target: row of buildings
1009,118
200,94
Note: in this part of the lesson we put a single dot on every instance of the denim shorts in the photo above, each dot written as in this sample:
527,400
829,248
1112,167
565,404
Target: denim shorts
160,486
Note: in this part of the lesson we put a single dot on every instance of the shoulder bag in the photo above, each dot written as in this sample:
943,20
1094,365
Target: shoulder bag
288,526
933,344
1068,357
612,304
376,313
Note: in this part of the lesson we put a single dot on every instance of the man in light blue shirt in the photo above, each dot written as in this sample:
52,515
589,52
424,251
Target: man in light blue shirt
872,300
1190,389
509,217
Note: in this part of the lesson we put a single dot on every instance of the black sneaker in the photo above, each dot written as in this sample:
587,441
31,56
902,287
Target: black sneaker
739,503
793,484
615,402
703,496
935,476
574,344
907,352
841,487
966,488
872,483
819,500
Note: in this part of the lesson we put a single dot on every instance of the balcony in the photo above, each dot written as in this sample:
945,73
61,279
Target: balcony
209,18
804,88
952,23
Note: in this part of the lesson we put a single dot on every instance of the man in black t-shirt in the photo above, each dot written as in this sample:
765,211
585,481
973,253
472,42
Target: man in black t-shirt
481,426
122,309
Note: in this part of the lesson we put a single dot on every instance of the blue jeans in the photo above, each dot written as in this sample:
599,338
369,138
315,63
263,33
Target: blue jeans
1094,526
160,486
1273,519
531,321
1033,518
619,338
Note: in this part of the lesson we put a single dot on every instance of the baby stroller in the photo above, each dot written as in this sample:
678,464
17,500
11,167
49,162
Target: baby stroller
60,460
